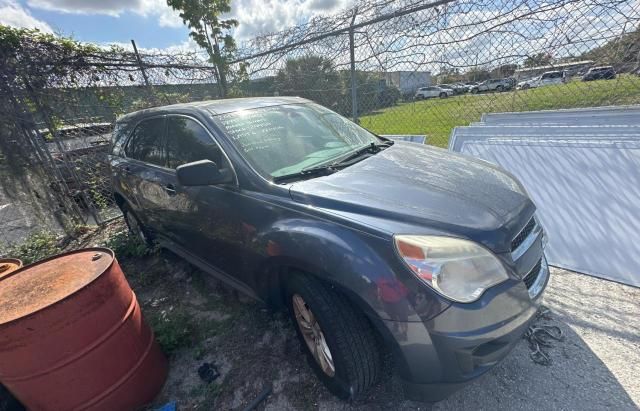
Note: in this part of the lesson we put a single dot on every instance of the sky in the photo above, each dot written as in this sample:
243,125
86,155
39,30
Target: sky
151,23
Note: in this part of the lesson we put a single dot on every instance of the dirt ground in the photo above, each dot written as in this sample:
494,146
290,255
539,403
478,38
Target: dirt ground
199,321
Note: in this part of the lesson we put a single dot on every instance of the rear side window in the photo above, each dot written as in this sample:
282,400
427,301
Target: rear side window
146,142
188,141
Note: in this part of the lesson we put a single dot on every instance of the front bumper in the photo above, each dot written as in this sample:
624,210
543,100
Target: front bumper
440,356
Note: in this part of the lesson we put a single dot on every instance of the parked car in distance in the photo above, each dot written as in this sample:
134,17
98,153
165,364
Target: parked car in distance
373,247
600,73
457,88
471,85
546,79
502,84
433,91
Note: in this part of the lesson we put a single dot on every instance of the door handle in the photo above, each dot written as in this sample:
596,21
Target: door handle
170,189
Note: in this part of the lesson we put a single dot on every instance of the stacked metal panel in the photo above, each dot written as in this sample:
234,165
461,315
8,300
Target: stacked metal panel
604,116
584,178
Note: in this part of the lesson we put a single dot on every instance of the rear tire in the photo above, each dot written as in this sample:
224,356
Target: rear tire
500,89
136,228
342,330
474,91
443,95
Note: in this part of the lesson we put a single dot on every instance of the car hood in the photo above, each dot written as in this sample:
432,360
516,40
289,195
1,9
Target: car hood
418,189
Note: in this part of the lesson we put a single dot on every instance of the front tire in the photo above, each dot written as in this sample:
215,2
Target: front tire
443,95
474,91
340,343
500,89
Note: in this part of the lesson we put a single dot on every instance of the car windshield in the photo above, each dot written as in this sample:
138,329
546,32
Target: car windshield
287,139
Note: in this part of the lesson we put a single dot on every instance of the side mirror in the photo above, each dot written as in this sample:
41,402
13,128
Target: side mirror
203,173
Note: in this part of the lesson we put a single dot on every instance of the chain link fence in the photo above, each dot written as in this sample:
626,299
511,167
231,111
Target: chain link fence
395,67
412,67
60,101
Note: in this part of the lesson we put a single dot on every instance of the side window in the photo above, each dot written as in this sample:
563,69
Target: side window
188,141
145,143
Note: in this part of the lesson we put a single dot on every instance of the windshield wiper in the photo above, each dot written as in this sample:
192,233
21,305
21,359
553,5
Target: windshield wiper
372,148
325,169
305,172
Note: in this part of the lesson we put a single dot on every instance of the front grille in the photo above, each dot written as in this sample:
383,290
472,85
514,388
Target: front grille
532,276
515,243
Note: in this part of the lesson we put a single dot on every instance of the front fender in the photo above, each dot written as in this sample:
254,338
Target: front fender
361,265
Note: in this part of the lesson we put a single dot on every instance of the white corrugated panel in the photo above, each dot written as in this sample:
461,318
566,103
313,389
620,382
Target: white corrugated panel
587,191
620,115
459,134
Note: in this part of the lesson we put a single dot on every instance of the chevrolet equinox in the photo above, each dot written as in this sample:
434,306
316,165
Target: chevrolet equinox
374,247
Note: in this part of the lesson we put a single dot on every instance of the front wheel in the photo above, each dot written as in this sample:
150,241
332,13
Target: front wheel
500,89
443,95
474,91
340,344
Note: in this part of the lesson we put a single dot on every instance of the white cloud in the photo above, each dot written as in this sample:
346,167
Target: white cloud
255,16
166,16
110,7
187,46
266,16
14,15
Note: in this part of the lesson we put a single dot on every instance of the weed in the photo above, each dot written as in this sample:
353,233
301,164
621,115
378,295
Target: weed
174,329
124,244
37,246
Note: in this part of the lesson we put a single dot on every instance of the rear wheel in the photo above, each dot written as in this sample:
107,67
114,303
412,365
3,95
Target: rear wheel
340,344
139,232
474,91
526,86
500,89
443,95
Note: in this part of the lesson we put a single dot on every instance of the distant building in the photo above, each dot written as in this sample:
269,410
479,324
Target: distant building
571,69
408,81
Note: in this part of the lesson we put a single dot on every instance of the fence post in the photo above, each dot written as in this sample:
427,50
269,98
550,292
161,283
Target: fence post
144,73
352,55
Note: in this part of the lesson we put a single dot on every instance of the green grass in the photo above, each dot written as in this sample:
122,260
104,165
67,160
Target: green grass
437,117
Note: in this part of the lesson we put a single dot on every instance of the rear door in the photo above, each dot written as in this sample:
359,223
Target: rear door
146,172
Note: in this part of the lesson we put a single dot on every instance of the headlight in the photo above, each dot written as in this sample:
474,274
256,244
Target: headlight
458,269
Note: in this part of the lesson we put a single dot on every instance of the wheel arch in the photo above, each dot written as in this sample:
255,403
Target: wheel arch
276,272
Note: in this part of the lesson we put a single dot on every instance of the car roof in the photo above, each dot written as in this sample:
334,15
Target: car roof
222,106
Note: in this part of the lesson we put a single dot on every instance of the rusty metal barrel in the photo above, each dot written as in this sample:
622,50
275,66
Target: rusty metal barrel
9,265
72,336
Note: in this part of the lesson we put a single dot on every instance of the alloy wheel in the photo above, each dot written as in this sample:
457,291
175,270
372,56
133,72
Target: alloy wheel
313,335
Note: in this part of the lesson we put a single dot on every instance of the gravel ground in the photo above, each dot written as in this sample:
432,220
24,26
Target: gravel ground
597,366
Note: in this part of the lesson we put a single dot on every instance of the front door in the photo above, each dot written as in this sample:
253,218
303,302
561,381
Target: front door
205,220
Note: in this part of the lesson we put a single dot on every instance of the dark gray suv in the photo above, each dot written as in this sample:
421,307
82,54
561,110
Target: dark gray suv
374,247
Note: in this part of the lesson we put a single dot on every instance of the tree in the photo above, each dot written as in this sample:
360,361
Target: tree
311,77
537,60
210,32
505,70
623,52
